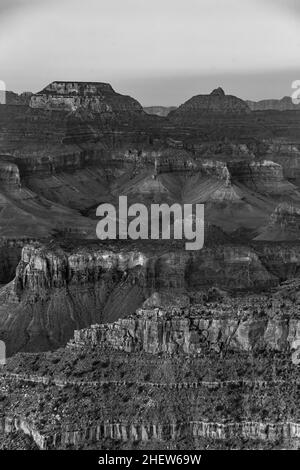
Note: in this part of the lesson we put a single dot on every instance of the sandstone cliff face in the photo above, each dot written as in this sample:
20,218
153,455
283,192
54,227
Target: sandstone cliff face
53,292
95,97
152,432
157,331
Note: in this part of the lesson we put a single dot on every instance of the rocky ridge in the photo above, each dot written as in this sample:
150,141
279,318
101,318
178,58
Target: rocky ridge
216,102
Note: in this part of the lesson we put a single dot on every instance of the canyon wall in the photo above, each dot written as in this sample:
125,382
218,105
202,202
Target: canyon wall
156,332
161,432
58,289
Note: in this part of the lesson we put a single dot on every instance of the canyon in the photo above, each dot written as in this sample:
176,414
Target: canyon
142,344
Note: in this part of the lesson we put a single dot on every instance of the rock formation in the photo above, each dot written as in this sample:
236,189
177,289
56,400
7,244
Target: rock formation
172,349
215,103
175,332
58,289
96,97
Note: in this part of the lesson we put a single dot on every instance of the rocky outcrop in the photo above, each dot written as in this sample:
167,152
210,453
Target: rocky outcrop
157,331
95,97
215,103
54,292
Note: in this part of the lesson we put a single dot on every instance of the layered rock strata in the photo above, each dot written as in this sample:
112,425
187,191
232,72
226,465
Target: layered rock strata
95,97
156,332
57,290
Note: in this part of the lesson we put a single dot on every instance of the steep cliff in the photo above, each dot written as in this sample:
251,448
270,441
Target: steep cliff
57,289
187,331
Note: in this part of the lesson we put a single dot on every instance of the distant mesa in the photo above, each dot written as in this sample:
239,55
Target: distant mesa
96,97
217,102
284,104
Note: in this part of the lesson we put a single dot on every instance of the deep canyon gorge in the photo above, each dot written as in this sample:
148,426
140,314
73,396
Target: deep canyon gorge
124,344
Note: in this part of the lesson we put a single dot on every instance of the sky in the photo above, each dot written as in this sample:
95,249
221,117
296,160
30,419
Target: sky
161,52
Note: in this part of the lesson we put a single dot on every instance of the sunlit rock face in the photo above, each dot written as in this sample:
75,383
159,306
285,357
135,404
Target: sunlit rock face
184,331
95,97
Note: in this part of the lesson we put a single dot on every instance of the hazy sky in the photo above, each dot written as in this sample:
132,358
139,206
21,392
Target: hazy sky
158,51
